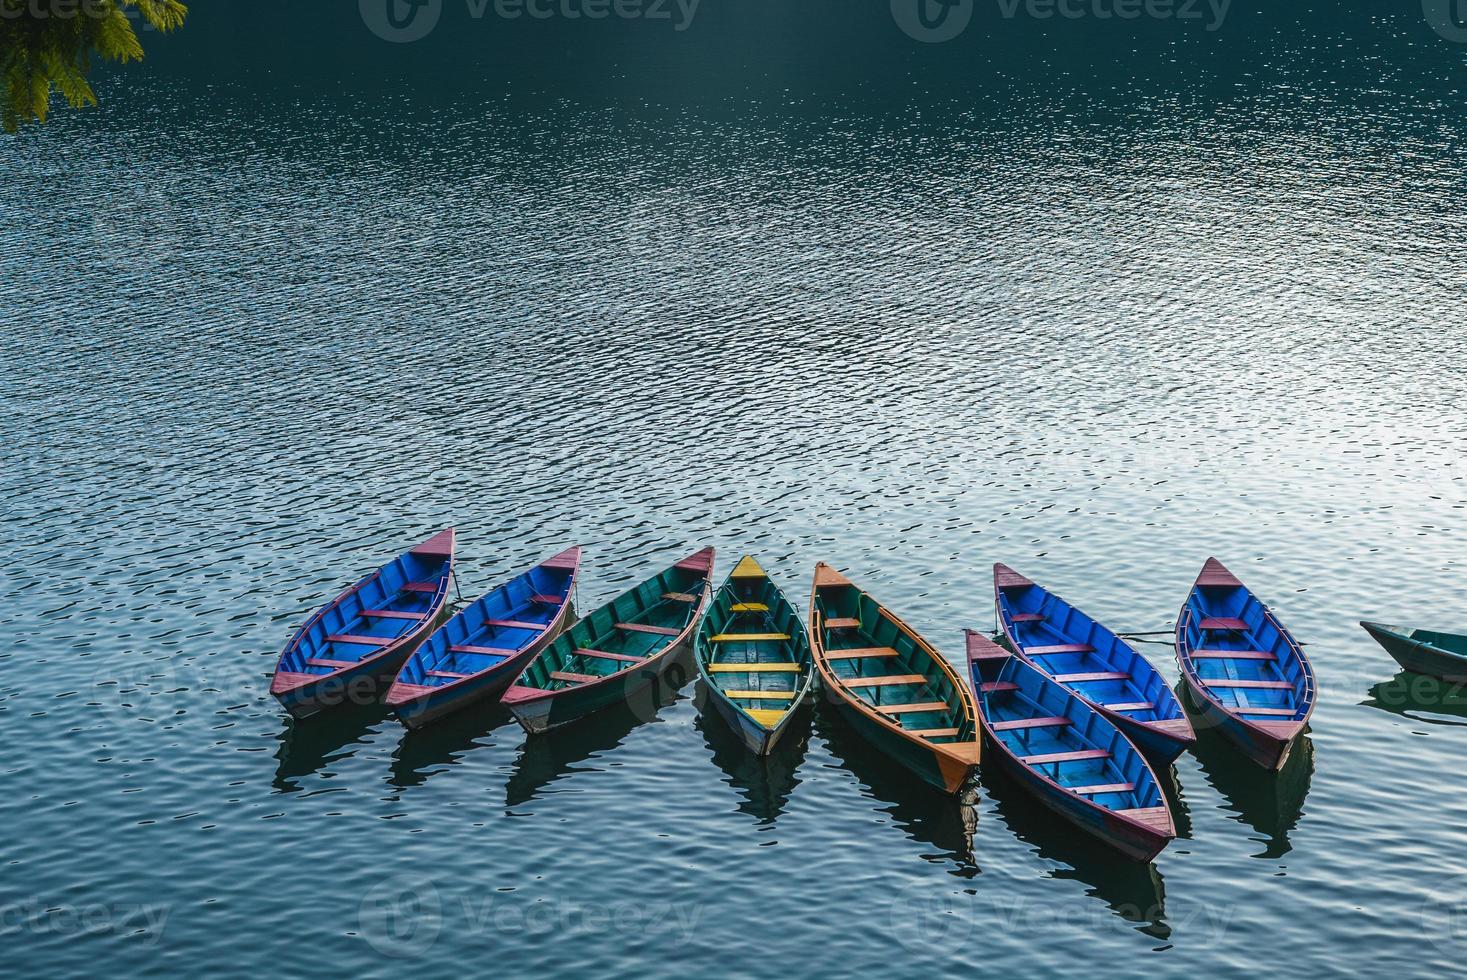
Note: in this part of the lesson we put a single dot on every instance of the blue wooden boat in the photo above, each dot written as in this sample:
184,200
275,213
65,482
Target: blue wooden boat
1067,753
620,650
1081,654
478,653
361,638
754,657
1247,675
1435,653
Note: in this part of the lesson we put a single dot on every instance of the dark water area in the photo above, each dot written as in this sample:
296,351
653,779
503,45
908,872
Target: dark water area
1094,298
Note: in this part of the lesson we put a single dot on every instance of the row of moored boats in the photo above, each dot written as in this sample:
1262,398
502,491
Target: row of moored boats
1066,705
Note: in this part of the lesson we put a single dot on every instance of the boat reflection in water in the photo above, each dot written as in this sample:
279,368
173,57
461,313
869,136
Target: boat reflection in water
308,745
921,811
1131,890
549,756
764,782
1420,698
442,745
1270,803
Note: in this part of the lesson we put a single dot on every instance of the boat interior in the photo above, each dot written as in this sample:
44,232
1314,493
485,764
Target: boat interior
381,608
756,651
1241,655
629,630
1077,651
493,628
879,663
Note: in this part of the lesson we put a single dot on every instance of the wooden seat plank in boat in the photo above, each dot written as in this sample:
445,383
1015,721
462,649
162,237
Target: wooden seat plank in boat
1053,721
514,624
753,668
739,607
327,662
470,648
680,596
546,600
1105,788
567,676
886,680
371,641
1027,617
993,687
860,653
1232,655
644,628
452,675
428,587
762,695
1057,648
603,655
1077,756
932,732
1099,675
392,614
747,637
842,623
902,709
1280,712
1131,706
1260,685
1225,623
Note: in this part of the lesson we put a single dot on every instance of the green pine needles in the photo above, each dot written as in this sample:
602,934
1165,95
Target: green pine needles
48,45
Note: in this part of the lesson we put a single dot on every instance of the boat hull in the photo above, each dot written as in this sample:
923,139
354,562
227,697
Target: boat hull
1129,837
1418,657
932,766
539,711
1267,749
363,684
756,738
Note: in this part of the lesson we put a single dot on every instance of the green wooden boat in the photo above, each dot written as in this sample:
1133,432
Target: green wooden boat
754,657
621,649
891,685
1431,652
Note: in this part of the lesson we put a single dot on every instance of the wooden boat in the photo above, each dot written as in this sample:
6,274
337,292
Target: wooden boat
1431,652
1248,676
618,650
1068,753
890,684
363,635
754,657
479,652
1081,654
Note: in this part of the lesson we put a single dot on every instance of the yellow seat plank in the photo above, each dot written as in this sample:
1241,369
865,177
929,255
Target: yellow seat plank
768,717
762,695
747,637
753,668
748,607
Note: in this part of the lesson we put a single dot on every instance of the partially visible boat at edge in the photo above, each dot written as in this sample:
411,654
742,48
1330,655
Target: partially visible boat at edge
754,657
478,652
1068,753
893,687
1079,653
362,637
617,651
1246,672
1435,653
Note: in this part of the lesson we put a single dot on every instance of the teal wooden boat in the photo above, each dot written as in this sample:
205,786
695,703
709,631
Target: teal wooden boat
754,657
897,691
1431,652
619,650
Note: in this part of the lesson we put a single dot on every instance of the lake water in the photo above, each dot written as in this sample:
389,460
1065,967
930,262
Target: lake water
1097,298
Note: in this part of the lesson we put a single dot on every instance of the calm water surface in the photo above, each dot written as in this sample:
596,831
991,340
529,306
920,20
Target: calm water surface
1094,299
